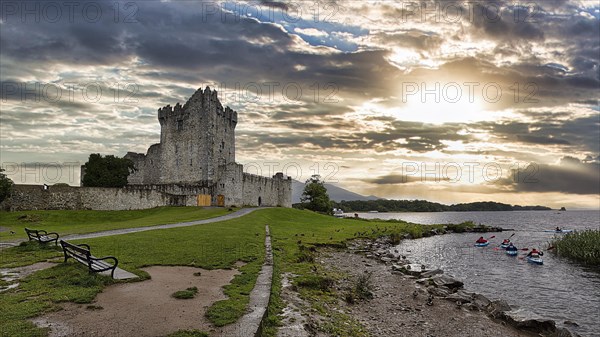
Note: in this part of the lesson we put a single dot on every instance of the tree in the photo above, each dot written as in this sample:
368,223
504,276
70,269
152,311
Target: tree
6,185
109,171
315,193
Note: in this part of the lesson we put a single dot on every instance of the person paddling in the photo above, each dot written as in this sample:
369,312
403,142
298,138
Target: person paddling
506,241
558,229
481,240
535,253
511,247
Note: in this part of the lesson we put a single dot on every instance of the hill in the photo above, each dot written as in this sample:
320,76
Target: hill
383,205
335,193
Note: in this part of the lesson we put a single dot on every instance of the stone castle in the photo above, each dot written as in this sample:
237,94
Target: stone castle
193,165
196,156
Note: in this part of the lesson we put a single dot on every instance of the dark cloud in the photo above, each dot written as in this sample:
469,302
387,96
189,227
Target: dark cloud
392,179
414,39
569,176
543,140
413,136
275,4
577,133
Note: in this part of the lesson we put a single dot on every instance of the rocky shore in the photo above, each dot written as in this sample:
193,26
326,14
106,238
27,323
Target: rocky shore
410,300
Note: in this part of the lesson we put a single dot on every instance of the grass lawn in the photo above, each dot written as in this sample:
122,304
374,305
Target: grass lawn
77,222
214,245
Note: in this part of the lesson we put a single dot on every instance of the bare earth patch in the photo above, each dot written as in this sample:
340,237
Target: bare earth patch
144,308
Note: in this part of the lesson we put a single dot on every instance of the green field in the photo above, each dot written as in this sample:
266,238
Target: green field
78,222
294,233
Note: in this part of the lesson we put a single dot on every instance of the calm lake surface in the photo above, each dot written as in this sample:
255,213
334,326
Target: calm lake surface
560,289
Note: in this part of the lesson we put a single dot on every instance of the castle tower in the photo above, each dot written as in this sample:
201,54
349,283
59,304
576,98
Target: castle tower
194,140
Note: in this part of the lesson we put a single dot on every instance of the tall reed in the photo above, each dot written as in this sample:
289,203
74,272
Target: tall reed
583,246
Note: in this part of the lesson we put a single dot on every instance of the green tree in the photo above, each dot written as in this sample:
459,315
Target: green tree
108,171
5,185
315,193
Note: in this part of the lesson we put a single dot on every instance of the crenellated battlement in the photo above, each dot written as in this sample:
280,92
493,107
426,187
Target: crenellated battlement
202,102
168,111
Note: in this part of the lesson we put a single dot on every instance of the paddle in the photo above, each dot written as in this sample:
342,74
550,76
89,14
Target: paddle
523,256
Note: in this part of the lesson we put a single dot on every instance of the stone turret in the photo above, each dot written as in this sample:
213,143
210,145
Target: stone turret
195,139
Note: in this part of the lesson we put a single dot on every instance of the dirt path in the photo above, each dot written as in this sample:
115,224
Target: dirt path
143,308
399,306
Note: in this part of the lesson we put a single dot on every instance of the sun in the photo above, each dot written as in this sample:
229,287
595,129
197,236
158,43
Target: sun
439,103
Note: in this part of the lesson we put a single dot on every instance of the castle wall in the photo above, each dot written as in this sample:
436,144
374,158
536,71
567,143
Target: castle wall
244,190
34,197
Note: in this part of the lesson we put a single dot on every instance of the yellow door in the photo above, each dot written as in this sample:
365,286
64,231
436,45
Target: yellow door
221,200
203,199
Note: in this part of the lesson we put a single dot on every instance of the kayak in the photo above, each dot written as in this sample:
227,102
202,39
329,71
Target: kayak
504,246
560,231
482,244
535,260
512,252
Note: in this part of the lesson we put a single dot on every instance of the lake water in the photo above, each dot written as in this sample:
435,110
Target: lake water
560,289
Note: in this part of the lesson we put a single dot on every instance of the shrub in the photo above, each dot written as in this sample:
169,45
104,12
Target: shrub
582,246
363,288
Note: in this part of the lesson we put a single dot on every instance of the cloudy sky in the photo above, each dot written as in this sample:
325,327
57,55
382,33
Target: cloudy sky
450,101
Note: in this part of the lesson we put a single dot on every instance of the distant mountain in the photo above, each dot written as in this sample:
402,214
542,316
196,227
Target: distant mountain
335,193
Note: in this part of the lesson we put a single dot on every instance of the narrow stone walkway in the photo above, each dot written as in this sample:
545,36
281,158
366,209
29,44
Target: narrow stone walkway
249,324
229,216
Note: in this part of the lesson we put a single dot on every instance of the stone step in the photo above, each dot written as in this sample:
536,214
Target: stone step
120,274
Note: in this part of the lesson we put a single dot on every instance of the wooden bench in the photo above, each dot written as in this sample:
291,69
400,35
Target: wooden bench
81,253
41,236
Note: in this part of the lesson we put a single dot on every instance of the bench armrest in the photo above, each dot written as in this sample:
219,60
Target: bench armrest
85,246
115,264
108,258
53,234
42,232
